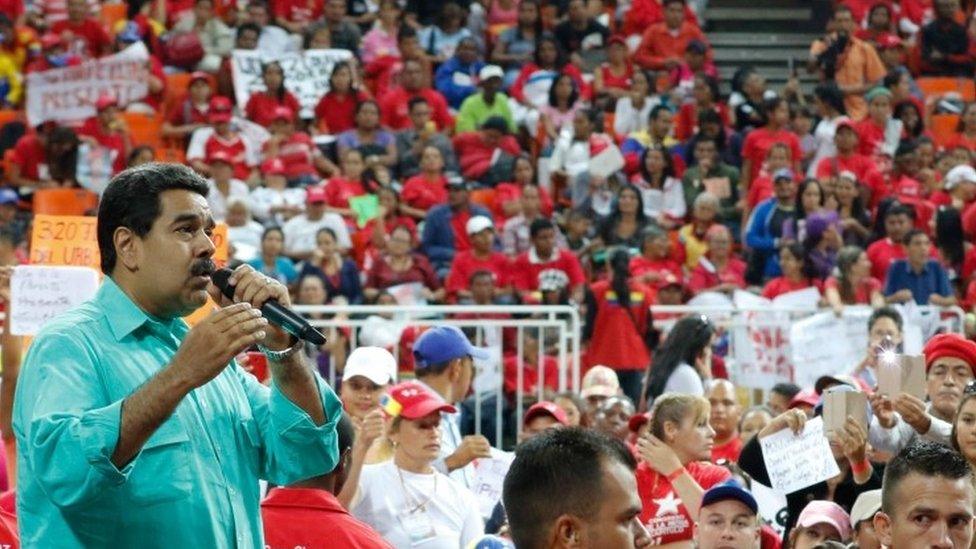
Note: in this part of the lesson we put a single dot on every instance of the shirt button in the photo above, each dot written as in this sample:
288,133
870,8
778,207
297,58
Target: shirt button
232,491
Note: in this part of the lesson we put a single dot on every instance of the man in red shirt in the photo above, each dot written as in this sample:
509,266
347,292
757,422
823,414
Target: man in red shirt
898,221
544,258
307,513
108,130
663,45
224,139
724,419
394,105
296,15
848,159
476,150
480,257
84,35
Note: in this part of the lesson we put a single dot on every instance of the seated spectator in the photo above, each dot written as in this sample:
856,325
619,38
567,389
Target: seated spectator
753,420
682,363
694,62
444,233
515,236
965,134
54,55
399,265
759,141
335,112
350,182
443,37
855,220
853,284
85,36
897,220
719,270
879,25
410,143
659,131
564,102
426,189
710,173
253,34
270,262
944,43
190,113
879,132
457,77
479,107
302,230
515,45
108,129
376,144
274,203
581,36
656,265
339,275
476,150
674,468
507,202
243,233
545,257
692,237
959,187
723,418
626,222
820,523
662,193
388,217
821,243
152,103
223,186
779,157
918,277
747,101
394,104
216,38
295,16
570,163
531,87
139,155
262,106
663,44
44,158
303,160
222,137
798,273
728,517
612,79
705,97
765,227
536,378
612,417
480,257
345,34
644,13
632,110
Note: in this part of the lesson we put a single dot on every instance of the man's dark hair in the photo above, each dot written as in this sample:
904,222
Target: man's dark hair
555,473
414,101
656,111
345,433
244,27
788,390
924,458
540,225
405,32
900,209
132,200
910,235
885,312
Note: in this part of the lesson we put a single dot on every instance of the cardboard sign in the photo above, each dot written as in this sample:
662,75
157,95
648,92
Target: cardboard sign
839,405
39,293
797,461
721,187
902,374
64,240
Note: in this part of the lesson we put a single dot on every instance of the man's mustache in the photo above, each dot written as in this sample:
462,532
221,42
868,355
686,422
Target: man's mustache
205,267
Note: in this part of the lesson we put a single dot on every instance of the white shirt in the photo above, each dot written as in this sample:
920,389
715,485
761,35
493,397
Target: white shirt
627,119
218,200
263,199
685,379
669,200
823,136
300,233
449,518
246,240
902,434
450,440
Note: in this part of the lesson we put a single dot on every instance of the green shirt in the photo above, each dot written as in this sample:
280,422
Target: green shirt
474,111
195,481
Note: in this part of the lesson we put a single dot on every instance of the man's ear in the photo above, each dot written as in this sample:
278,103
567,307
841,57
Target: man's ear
126,248
569,532
882,528
454,370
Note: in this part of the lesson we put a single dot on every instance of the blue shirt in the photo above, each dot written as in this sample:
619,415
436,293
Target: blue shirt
930,280
284,270
194,483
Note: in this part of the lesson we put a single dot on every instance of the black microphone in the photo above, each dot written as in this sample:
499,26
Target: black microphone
275,312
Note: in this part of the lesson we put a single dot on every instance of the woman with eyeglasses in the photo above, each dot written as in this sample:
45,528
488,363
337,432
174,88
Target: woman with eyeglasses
405,499
683,361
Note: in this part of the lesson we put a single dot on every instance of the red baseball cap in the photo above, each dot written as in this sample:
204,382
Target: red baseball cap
199,75
807,397
950,345
413,400
889,41
219,156
617,39
220,109
637,420
105,101
282,113
545,408
273,166
315,195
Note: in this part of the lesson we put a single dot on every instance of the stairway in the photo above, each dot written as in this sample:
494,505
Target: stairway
765,34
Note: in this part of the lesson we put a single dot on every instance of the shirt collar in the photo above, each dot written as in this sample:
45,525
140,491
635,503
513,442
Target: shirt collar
303,497
124,316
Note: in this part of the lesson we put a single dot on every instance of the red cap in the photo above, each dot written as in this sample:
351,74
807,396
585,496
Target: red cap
412,400
889,41
638,420
807,397
282,113
105,101
50,40
617,39
950,345
545,408
315,195
219,156
221,109
273,166
199,75
844,122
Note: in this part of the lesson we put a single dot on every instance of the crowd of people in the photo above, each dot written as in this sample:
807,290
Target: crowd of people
459,155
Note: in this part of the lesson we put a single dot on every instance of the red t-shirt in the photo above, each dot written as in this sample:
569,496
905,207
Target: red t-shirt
618,336
188,113
611,80
339,190
298,11
394,108
306,517
233,148
114,141
760,189
510,192
87,39
782,285
530,375
728,451
686,124
29,155
466,264
662,268
959,140
474,155
459,223
260,107
760,140
527,268
338,111
422,193
297,153
664,515
871,137
862,292
881,253
861,166
703,277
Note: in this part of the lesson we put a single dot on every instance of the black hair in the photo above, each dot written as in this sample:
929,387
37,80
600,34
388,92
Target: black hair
801,213
335,69
328,231
711,83
620,277
924,458
560,54
249,26
131,200
406,31
279,94
911,234
607,230
949,236
62,165
786,389
136,151
829,94
891,79
668,171
540,225
537,26
480,273
569,462
309,34
769,106
272,229
900,108
345,433
361,104
652,116
800,251
685,342
888,207
573,94
885,312
414,101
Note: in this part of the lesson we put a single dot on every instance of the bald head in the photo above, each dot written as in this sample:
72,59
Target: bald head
725,410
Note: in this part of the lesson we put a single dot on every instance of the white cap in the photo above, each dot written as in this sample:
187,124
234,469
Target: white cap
958,175
374,363
490,71
477,224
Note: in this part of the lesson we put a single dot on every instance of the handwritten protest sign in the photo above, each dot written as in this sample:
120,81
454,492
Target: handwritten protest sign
795,462
70,93
489,476
39,293
306,74
64,240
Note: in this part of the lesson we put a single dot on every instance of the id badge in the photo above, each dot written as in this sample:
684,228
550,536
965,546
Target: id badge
418,525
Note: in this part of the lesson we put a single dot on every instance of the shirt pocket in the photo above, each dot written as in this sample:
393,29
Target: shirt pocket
162,471
252,446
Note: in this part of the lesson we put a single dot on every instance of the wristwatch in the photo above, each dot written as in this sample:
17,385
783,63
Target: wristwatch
280,356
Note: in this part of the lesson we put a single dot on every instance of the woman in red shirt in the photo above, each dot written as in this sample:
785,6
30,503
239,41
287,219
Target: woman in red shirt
797,273
348,184
965,135
426,189
108,130
261,105
760,140
719,270
378,229
336,110
854,285
508,196
401,266
656,267
302,158
705,92
612,79
674,470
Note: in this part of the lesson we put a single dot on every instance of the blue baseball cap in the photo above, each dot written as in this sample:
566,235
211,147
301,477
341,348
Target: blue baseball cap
442,344
8,196
730,489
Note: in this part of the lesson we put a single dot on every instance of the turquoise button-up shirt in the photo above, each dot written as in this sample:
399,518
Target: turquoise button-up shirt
195,481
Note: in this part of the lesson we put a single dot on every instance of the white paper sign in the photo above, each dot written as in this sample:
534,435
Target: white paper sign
70,93
795,462
306,74
39,293
489,477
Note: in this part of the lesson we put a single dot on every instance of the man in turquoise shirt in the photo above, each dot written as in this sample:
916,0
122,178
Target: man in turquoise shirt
134,429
